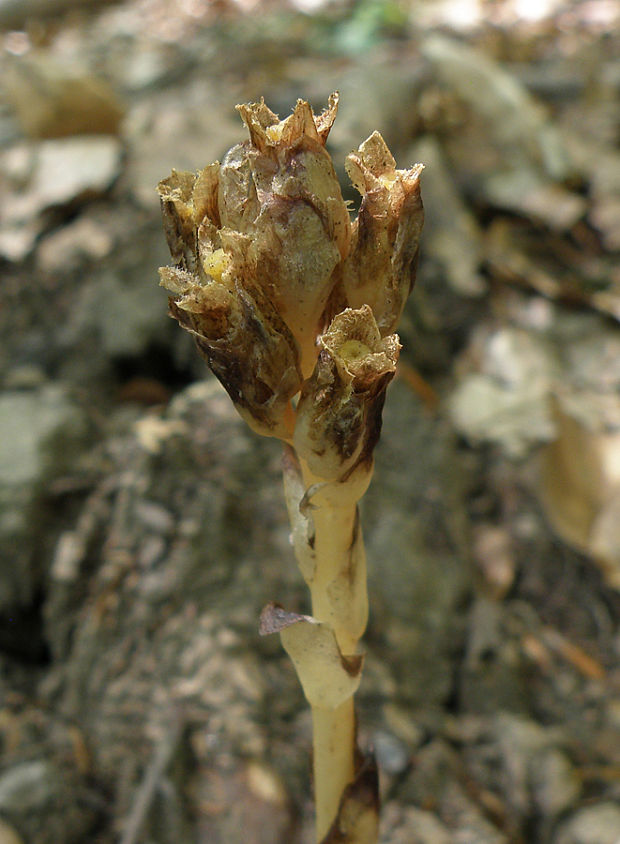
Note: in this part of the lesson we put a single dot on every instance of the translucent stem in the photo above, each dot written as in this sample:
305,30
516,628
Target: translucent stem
338,588
339,598
333,744
330,551
333,729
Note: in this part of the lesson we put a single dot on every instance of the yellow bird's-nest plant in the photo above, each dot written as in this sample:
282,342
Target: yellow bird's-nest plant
293,305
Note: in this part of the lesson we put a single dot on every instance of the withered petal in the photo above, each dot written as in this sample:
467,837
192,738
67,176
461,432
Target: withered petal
326,118
205,194
339,409
178,215
381,265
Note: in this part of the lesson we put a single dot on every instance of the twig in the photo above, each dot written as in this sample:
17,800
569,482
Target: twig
164,751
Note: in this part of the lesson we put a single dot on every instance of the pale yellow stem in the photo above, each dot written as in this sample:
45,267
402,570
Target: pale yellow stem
334,600
339,598
333,730
333,744
329,547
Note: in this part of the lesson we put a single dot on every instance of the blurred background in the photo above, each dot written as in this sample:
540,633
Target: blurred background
142,527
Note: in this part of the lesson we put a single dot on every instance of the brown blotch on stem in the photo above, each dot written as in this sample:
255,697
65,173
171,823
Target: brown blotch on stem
357,821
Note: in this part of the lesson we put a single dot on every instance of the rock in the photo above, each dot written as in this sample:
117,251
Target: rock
493,675
435,780
600,162
540,200
53,173
554,782
47,802
185,130
250,798
540,777
27,376
26,787
483,410
41,434
45,789
494,556
597,824
409,825
145,64
126,312
393,756
518,156
528,765
74,245
507,401
71,169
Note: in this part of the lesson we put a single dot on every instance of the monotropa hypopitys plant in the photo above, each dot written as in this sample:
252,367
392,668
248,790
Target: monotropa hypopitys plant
293,305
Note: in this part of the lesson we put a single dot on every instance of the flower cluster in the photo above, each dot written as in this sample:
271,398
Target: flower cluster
285,295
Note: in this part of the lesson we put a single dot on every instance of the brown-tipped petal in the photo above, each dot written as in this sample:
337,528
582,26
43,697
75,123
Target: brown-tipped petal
339,410
355,345
258,118
325,119
177,281
380,269
268,132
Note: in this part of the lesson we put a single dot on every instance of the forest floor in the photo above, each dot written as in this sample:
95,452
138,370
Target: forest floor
142,526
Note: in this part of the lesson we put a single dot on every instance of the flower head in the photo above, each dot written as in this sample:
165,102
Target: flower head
265,254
